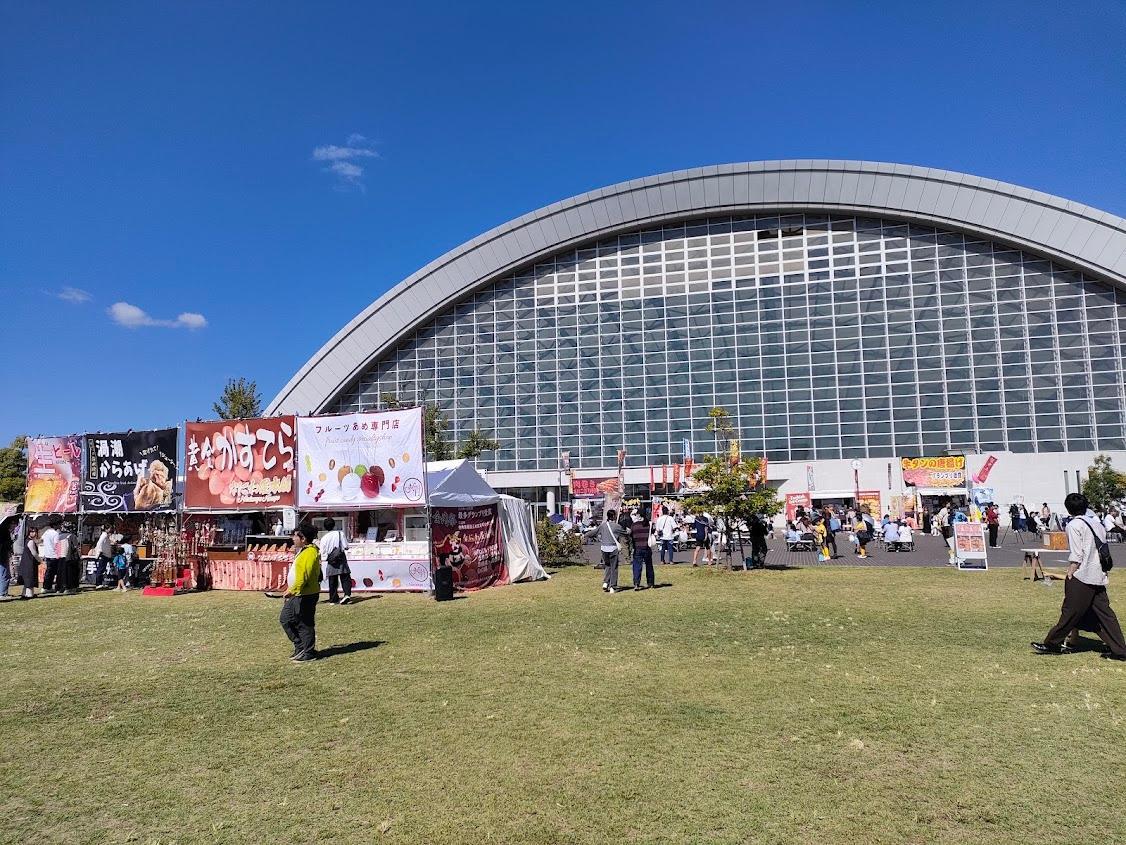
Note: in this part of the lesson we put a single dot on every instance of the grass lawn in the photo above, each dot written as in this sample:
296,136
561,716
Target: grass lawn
828,706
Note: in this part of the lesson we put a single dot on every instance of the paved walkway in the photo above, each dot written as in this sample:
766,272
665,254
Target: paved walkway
929,551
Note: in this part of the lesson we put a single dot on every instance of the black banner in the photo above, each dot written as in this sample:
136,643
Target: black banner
132,471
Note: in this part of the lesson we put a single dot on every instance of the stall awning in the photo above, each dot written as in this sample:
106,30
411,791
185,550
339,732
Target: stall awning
456,484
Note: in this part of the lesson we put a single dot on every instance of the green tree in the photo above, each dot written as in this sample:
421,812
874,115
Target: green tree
475,443
556,547
720,426
239,400
1105,486
728,492
13,470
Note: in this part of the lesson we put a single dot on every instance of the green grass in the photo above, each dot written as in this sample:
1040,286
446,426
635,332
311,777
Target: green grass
826,706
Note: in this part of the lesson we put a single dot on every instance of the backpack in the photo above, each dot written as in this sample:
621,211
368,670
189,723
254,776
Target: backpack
1103,548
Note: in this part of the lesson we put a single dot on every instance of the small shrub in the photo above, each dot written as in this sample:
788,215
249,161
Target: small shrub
557,547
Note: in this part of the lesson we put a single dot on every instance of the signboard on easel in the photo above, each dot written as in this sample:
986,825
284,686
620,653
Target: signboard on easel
969,546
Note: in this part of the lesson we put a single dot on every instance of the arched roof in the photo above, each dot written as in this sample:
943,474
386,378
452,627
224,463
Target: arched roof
1074,234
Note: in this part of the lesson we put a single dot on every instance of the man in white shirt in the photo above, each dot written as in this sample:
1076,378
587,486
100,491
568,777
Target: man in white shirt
103,552
891,533
666,529
1084,589
48,550
336,567
905,537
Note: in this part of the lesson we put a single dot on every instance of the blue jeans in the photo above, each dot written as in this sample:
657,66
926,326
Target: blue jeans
4,578
666,546
643,555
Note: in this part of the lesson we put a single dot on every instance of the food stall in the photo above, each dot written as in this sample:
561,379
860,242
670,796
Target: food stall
238,499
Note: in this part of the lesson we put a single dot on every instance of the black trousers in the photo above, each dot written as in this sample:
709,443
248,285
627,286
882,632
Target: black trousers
343,580
993,534
69,574
299,621
53,577
831,537
1078,598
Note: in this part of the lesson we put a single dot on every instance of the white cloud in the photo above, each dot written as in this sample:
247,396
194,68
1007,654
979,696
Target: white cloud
74,295
345,160
132,317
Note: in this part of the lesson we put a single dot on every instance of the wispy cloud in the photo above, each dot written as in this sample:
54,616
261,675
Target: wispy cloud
344,160
132,317
74,295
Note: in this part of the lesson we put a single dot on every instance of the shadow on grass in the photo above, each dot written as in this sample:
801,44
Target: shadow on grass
349,648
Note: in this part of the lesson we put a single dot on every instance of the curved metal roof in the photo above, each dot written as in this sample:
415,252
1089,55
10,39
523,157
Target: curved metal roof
1074,234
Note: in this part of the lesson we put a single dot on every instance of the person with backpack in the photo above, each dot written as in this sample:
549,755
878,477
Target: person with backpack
121,569
1084,588
332,545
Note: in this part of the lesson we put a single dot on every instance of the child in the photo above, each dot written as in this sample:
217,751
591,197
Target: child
121,568
862,536
821,532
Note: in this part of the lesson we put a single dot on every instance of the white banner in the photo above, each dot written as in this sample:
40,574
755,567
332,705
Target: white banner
360,461
386,575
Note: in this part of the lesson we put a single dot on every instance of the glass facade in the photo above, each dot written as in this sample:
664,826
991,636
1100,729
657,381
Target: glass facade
824,336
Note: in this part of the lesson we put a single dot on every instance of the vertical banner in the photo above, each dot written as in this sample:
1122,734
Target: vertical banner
871,500
810,484
360,461
240,464
54,469
130,471
796,500
468,539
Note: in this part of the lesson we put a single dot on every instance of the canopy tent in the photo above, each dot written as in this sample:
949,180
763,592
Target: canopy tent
520,552
456,484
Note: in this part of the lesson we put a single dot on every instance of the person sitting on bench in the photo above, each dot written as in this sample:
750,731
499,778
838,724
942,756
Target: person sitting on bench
891,535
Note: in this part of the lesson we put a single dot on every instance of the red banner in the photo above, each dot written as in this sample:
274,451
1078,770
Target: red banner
592,488
468,539
244,464
260,571
984,472
796,500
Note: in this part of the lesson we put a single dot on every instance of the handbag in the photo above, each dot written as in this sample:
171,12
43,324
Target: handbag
652,539
1103,548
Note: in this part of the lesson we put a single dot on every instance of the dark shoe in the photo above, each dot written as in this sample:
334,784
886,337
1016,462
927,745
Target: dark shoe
346,600
1106,655
1044,648
305,656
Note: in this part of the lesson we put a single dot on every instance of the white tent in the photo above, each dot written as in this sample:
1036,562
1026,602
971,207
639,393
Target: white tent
520,551
457,484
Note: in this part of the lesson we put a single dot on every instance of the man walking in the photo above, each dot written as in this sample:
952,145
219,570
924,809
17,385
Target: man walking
1084,589
666,531
48,551
103,552
334,558
610,535
299,610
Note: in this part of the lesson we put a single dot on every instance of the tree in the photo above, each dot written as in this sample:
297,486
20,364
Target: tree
239,400
728,492
13,470
557,547
475,443
434,425
1105,486
720,426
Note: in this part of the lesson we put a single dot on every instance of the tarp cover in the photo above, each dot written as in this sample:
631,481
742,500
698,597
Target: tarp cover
456,484
520,541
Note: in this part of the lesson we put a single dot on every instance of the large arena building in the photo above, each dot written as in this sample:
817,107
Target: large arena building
847,314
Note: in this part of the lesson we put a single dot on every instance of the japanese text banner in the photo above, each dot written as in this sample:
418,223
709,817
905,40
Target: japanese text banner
54,468
468,539
131,471
244,464
360,461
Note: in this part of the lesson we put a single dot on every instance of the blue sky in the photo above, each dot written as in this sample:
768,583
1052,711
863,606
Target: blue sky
191,192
